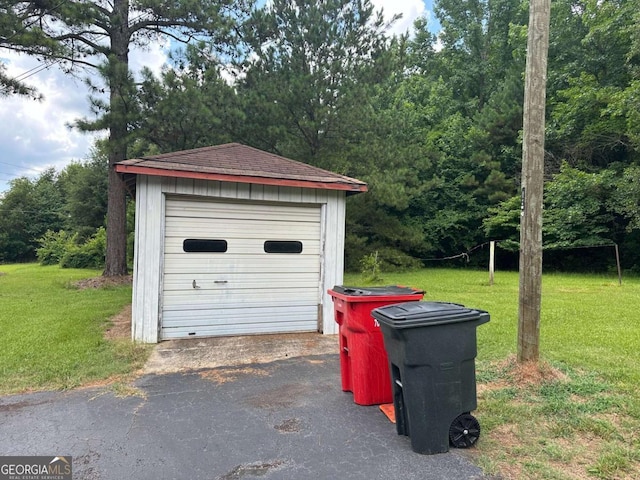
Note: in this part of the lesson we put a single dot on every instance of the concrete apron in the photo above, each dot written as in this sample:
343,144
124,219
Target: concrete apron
173,356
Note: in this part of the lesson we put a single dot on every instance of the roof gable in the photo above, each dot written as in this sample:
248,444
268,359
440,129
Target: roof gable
234,162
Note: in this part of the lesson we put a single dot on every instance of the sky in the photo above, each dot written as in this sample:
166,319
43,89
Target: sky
35,135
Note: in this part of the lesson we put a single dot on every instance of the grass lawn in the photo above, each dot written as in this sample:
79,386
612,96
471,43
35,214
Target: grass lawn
577,414
52,334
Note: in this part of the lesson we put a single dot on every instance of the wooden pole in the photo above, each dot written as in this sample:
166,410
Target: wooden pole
618,264
492,260
530,293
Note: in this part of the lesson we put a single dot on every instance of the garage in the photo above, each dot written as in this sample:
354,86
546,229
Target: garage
231,240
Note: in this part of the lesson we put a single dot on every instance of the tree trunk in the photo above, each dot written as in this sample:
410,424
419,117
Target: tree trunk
116,255
117,77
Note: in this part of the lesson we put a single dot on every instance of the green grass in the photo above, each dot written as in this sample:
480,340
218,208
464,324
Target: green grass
580,415
52,333
579,418
587,321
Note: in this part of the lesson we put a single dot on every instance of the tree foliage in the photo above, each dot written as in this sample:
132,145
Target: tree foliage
310,73
27,211
84,187
45,217
431,120
98,35
190,105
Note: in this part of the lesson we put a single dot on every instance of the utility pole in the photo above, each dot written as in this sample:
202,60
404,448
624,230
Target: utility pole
532,181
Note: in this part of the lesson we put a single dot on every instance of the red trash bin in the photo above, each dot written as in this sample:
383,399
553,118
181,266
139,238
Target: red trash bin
363,360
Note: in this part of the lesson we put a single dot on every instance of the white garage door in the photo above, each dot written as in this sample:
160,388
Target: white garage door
239,268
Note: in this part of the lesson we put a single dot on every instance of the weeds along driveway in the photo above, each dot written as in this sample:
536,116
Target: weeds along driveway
285,419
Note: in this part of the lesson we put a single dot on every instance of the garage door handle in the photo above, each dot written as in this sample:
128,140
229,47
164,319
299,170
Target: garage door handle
220,281
194,284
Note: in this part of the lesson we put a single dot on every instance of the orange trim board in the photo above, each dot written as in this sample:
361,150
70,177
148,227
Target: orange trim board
389,410
240,178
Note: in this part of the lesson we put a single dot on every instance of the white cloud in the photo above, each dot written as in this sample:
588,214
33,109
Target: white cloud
438,45
34,134
152,57
410,10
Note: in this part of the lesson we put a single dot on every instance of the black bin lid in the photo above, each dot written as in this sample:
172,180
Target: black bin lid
375,291
425,314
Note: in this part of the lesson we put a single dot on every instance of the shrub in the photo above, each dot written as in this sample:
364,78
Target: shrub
88,255
394,260
371,267
53,246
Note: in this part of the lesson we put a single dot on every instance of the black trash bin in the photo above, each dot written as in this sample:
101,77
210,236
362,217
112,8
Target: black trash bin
431,348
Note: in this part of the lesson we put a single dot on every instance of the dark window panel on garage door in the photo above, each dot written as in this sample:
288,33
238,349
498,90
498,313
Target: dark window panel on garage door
282,246
197,245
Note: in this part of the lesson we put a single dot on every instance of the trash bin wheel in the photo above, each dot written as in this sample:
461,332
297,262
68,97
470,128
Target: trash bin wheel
464,431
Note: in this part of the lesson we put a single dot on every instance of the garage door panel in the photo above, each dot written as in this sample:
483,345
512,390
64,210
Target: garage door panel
229,211
256,292
264,219
239,295
255,281
240,246
262,212
185,227
193,319
239,315
236,329
277,263
242,297
249,264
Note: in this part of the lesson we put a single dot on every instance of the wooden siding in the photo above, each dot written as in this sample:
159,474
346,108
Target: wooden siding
148,254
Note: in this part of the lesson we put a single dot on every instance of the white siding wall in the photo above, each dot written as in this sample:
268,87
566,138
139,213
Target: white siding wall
334,223
148,255
147,265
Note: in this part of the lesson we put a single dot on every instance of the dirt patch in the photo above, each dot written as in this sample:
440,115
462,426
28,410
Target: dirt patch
103,282
315,362
290,425
483,388
13,407
527,374
119,325
224,375
253,470
509,443
580,455
507,437
282,397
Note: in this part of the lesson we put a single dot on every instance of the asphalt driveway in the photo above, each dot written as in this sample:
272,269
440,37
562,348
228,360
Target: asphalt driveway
286,418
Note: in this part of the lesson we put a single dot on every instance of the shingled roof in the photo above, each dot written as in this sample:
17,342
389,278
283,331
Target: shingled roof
234,162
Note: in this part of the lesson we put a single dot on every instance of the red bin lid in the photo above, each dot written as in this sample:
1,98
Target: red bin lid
375,291
395,293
